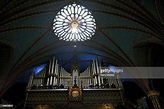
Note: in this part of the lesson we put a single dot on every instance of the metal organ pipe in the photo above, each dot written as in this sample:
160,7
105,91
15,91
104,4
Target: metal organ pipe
62,74
44,75
94,69
97,81
101,78
51,73
36,79
98,71
119,80
89,72
94,72
53,62
39,80
110,81
30,81
49,70
58,75
55,73
57,70
88,79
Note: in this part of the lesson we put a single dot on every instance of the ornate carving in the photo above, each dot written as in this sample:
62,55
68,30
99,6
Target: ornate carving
57,97
153,93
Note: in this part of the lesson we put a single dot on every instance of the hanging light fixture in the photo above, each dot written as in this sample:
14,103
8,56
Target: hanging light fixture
74,23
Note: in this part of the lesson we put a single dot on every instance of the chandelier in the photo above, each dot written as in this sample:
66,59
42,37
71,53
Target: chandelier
74,23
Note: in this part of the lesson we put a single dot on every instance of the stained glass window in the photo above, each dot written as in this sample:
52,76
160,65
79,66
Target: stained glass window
74,23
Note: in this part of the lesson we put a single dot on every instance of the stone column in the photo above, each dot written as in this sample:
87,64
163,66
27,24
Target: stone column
153,95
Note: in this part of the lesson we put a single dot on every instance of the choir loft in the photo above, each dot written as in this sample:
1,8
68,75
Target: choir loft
54,87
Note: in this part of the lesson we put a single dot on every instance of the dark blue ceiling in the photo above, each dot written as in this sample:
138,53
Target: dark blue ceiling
26,25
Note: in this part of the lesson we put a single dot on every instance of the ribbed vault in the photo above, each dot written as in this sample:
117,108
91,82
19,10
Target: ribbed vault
27,26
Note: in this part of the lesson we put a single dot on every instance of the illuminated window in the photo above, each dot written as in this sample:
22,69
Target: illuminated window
74,23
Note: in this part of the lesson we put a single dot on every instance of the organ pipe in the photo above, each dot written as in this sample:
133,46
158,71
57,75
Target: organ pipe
51,73
48,79
98,71
30,81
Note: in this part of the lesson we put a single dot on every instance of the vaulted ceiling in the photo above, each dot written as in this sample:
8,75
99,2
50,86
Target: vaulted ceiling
27,38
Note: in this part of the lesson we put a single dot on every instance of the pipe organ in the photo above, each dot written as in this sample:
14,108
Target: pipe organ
53,85
55,76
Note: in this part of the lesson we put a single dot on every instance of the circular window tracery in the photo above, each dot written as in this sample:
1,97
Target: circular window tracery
74,23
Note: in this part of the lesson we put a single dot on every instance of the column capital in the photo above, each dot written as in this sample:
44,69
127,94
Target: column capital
153,93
